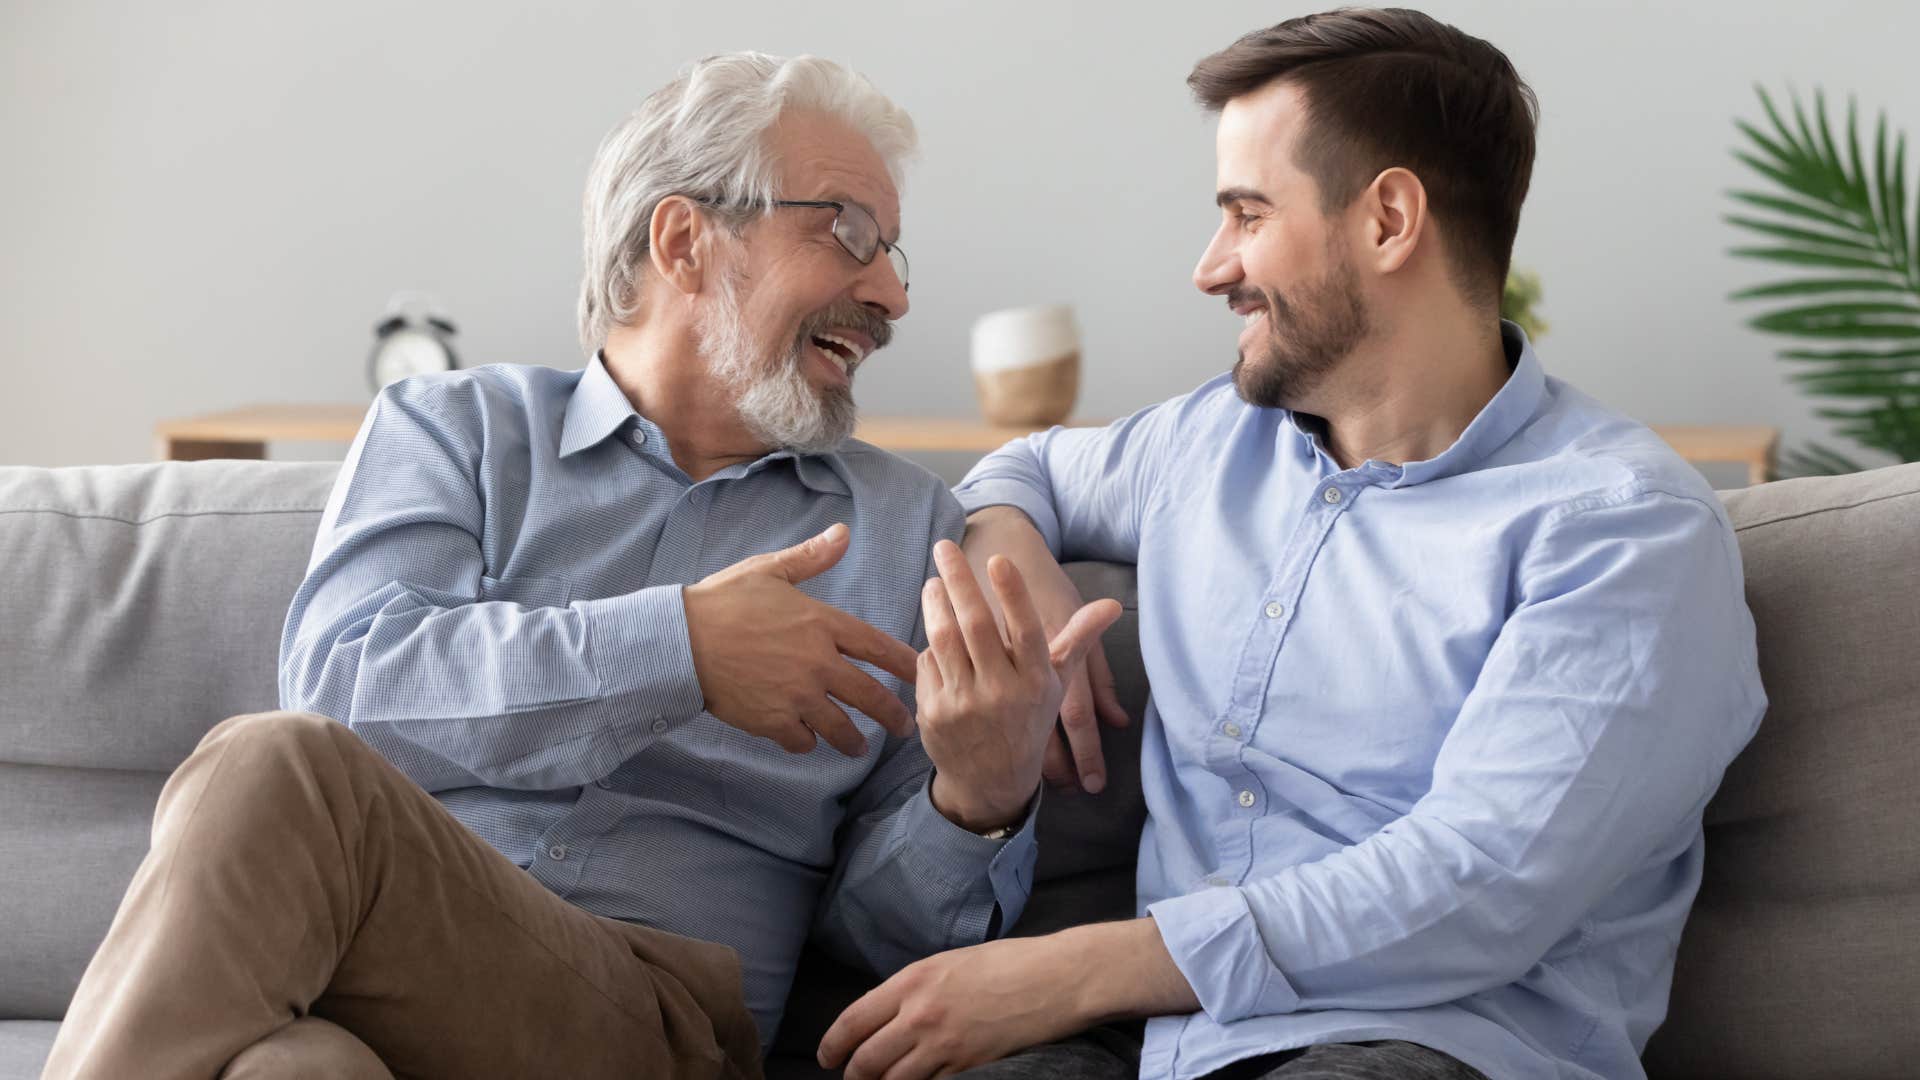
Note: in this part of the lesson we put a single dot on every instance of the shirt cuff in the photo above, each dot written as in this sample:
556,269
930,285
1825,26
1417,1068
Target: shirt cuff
1001,491
638,647
1216,944
936,846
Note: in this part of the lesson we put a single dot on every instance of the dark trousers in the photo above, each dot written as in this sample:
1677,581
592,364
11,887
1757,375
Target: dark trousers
1113,1053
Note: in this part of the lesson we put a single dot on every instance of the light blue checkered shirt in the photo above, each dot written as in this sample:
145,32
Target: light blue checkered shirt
494,603
1429,744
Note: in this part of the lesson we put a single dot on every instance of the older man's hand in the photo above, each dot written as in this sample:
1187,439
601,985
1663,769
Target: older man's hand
987,704
771,659
1074,753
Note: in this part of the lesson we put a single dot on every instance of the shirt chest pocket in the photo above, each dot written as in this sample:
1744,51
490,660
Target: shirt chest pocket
528,590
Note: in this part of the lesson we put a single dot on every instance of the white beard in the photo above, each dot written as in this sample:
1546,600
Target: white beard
775,401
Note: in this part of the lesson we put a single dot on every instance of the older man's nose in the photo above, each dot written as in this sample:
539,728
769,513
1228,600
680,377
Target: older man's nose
880,289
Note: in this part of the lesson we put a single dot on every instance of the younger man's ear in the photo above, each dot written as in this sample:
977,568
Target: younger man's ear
1395,205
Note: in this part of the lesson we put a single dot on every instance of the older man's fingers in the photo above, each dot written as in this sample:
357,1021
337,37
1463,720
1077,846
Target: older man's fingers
835,726
808,558
929,674
1083,733
864,692
794,736
970,607
859,640
1026,638
944,640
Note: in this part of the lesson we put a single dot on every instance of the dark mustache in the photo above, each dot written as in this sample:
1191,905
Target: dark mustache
1239,296
853,316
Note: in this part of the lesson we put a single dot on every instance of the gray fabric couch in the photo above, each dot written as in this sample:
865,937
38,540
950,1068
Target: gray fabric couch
141,604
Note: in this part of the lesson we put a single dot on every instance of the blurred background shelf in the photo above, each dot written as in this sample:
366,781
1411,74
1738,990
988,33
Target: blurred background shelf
246,433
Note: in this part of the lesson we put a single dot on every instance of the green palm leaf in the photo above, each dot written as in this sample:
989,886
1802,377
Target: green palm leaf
1870,355
1815,286
1795,208
1802,236
1808,257
1836,218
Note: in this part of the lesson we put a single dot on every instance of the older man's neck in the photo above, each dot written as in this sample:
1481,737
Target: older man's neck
1409,395
667,381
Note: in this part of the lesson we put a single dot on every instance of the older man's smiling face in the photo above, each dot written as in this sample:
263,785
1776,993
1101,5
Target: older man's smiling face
795,314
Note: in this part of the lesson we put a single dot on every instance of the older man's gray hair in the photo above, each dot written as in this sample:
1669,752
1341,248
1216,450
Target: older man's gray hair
703,135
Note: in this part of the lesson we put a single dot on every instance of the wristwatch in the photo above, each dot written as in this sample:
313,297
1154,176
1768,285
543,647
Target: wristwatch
1000,833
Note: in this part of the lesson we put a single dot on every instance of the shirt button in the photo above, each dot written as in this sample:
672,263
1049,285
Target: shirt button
604,785
659,727
558,852
637,437
1275,610
1217,881
1246,798
1232,729
1331,496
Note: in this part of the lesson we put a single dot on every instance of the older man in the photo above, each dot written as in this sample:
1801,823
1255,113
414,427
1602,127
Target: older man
638,629
1447,658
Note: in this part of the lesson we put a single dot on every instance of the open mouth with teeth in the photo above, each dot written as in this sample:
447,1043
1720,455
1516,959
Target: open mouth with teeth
1249,313
845,355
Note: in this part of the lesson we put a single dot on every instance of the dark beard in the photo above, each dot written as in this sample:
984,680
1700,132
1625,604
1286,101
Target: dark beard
1307,337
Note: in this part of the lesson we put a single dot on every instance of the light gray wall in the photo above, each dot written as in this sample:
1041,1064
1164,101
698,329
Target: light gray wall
207,204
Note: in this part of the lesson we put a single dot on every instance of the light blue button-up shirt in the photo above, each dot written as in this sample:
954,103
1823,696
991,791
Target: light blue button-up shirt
1428,745
494,603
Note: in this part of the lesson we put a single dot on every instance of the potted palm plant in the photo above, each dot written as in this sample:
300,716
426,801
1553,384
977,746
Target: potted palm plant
1836,224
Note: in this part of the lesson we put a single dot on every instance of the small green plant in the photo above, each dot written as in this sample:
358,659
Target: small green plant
1849,299
1518,300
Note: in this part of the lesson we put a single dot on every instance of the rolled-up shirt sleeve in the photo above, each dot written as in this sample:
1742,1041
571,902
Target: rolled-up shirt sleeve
1086,490
1617,692
457,677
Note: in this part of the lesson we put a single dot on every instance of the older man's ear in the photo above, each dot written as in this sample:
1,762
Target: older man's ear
679,243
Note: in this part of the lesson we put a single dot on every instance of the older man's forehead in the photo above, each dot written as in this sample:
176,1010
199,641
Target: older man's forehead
826,158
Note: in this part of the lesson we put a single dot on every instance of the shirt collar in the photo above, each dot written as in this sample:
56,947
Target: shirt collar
599,409
823,473
1499,420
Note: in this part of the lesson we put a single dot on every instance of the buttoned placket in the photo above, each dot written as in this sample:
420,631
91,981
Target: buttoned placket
1246,796
560,857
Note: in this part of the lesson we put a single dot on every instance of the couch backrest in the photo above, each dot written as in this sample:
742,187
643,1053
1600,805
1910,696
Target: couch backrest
1802,955
139,606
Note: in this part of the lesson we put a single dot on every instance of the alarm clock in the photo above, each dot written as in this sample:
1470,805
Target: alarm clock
409,342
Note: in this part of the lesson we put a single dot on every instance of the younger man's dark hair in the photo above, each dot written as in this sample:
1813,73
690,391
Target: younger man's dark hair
1390,86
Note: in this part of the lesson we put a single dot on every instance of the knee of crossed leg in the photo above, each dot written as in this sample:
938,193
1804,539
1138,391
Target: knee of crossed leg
280,736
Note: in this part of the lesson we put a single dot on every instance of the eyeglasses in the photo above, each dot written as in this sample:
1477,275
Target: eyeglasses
857,232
